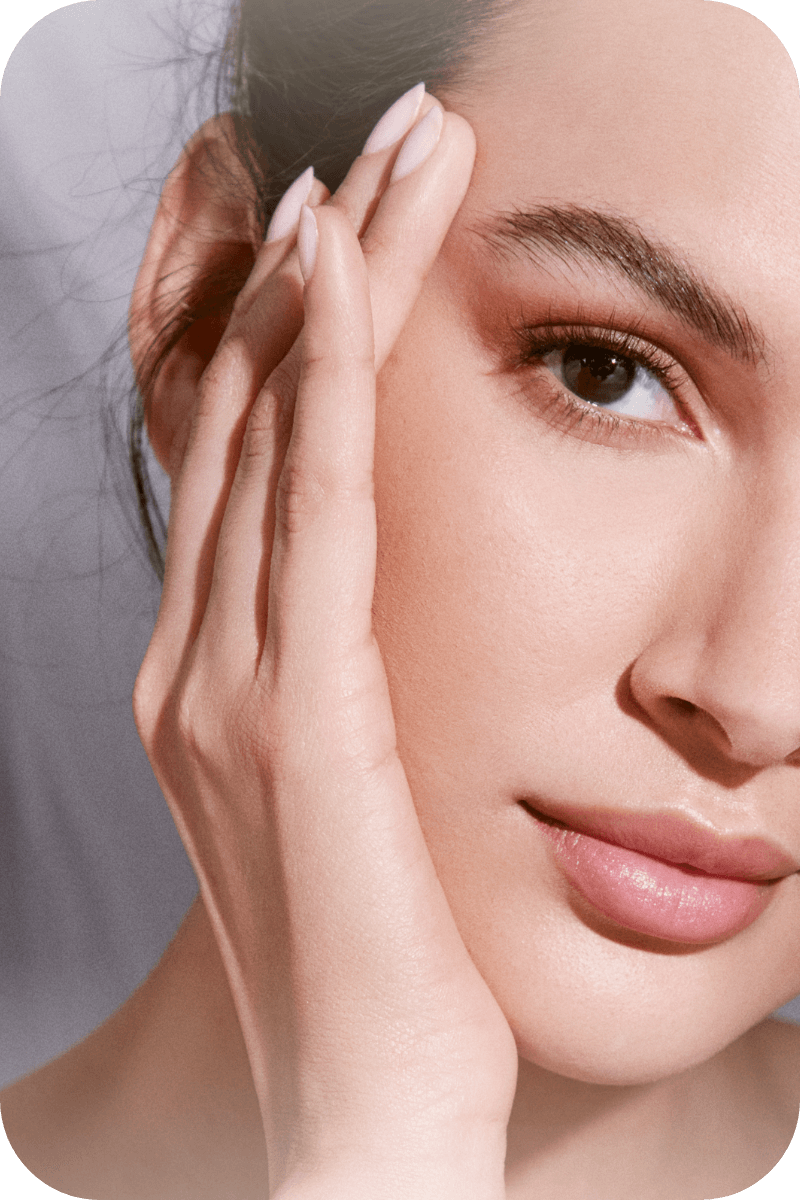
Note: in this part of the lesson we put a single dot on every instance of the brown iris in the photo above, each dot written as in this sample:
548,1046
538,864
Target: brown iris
595,374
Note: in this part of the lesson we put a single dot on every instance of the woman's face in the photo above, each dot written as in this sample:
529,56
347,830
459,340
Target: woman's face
593,612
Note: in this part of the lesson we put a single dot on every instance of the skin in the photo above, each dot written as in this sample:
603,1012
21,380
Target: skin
602,617
596,580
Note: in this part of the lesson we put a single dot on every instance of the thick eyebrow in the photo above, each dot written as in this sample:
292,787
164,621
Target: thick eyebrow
573,233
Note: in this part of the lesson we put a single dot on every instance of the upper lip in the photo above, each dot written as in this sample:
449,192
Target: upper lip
674,836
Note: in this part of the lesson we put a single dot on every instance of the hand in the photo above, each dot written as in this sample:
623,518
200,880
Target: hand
383,1065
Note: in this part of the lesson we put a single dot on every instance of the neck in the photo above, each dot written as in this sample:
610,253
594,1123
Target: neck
162,1093
708,1131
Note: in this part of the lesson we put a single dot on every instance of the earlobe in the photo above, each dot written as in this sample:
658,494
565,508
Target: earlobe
201,247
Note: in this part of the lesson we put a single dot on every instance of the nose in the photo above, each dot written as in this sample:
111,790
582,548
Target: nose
721,677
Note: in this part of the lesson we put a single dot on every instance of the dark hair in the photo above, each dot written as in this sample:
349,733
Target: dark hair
306,80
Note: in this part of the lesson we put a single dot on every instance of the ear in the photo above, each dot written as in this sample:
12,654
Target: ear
201,248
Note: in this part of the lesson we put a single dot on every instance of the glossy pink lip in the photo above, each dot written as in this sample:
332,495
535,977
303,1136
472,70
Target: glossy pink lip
664,874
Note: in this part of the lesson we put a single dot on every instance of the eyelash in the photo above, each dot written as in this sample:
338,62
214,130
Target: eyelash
569,414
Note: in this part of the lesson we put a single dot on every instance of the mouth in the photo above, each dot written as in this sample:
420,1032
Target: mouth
665,875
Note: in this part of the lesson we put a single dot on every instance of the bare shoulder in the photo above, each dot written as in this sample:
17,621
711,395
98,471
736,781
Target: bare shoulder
156,1104
40,1117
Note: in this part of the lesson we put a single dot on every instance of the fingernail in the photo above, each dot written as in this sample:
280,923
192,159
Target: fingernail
287,214
307,240
396,121
419,144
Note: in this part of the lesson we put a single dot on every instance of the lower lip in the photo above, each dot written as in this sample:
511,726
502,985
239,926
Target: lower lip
653,897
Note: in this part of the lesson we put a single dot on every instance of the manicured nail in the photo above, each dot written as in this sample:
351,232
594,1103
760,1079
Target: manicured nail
307,240
396,121
419,144
287,214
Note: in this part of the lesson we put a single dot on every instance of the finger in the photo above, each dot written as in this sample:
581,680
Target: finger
412,219
234,629
321,572
368,177
281,236
213,444
244,570
352,850
259,334
323,555
360,191
265,321
409,230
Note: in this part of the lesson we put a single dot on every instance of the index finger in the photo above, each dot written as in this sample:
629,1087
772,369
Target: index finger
411,221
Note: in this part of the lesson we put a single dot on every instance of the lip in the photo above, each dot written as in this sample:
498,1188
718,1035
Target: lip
664,874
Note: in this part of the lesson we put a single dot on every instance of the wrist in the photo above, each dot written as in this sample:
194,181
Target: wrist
395,1174
396,1139
392,1181
442,1163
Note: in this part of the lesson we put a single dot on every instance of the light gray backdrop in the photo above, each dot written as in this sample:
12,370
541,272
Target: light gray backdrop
93,878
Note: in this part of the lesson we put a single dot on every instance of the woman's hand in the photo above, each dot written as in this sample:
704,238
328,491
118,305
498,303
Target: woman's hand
382,1063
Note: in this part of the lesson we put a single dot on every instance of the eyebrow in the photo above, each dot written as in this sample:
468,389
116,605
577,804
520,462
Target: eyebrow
612,242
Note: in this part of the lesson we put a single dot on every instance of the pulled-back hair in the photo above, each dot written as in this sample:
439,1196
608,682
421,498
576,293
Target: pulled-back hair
305,81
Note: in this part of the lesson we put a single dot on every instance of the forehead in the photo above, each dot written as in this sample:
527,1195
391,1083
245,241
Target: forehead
681,114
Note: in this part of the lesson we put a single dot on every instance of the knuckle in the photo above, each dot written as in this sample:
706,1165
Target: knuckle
222,365
262,429
313,484
339,367
197,721
220,725
300,495
145,703
282,382
267,428
308,491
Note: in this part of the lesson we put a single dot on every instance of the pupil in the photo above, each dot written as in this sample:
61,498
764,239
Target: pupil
595,374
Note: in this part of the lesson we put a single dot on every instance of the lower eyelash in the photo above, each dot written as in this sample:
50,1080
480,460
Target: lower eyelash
570,414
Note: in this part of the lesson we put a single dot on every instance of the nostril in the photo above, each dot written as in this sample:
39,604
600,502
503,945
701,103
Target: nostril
703,725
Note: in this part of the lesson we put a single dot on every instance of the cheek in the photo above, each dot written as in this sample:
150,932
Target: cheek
520,570
520,574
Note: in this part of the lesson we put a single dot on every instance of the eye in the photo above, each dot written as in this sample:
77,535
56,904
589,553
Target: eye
616,382
605,384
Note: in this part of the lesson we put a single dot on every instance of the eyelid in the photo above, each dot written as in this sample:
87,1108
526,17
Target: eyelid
535,341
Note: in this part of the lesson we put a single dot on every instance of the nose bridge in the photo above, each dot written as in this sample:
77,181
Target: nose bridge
747,675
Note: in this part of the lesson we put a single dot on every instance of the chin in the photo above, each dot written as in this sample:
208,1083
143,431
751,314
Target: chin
637,1055
595,1004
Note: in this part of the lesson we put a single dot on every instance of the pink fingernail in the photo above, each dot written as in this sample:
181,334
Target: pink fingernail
396,121
287,214
419,144
307,241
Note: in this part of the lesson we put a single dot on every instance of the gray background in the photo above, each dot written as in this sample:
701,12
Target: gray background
93,878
